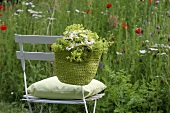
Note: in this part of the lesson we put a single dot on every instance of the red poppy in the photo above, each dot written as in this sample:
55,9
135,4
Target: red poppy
0,14
2,7
138,31
88,11
3,27
109,5
150,1
124,25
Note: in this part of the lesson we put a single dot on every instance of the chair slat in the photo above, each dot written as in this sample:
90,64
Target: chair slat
45,56
54,101
36,39
78,101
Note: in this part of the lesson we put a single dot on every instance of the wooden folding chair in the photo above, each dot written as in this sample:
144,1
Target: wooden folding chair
45,56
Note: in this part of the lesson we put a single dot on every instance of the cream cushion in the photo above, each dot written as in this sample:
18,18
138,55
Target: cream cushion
52,88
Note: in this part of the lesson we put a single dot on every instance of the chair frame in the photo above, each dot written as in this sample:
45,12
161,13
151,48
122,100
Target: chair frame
45,56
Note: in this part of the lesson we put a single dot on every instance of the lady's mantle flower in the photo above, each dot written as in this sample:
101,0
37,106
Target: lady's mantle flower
109,5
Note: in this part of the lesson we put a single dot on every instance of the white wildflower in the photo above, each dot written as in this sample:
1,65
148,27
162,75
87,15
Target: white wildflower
77,10
118,53
39,12
16,14
19,10
142,51
146,40
51,18
26,3
32,5
68,11
153,49
161,53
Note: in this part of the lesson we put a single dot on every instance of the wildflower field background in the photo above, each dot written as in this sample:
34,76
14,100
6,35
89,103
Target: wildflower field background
136,68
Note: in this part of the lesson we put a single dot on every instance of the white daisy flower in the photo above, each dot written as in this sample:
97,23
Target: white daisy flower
84,35
69,47
74,33
89,41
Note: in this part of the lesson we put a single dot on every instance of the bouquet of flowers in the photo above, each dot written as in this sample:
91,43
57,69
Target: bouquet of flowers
79,42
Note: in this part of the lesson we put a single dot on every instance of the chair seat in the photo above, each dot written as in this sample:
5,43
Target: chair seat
59,101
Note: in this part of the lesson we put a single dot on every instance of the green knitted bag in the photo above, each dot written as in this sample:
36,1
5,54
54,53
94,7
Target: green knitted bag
73,72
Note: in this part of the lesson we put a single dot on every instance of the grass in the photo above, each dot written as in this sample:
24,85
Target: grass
12,108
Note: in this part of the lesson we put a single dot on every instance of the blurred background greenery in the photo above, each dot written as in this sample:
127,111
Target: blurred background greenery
136,69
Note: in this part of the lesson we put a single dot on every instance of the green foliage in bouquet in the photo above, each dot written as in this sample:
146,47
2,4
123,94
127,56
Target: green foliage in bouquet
80,42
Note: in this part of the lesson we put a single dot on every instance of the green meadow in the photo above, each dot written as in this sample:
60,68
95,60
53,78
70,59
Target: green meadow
136,69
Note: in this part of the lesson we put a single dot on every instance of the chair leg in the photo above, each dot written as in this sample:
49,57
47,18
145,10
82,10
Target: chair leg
41,110
85,105
94,108
84,99
30,108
